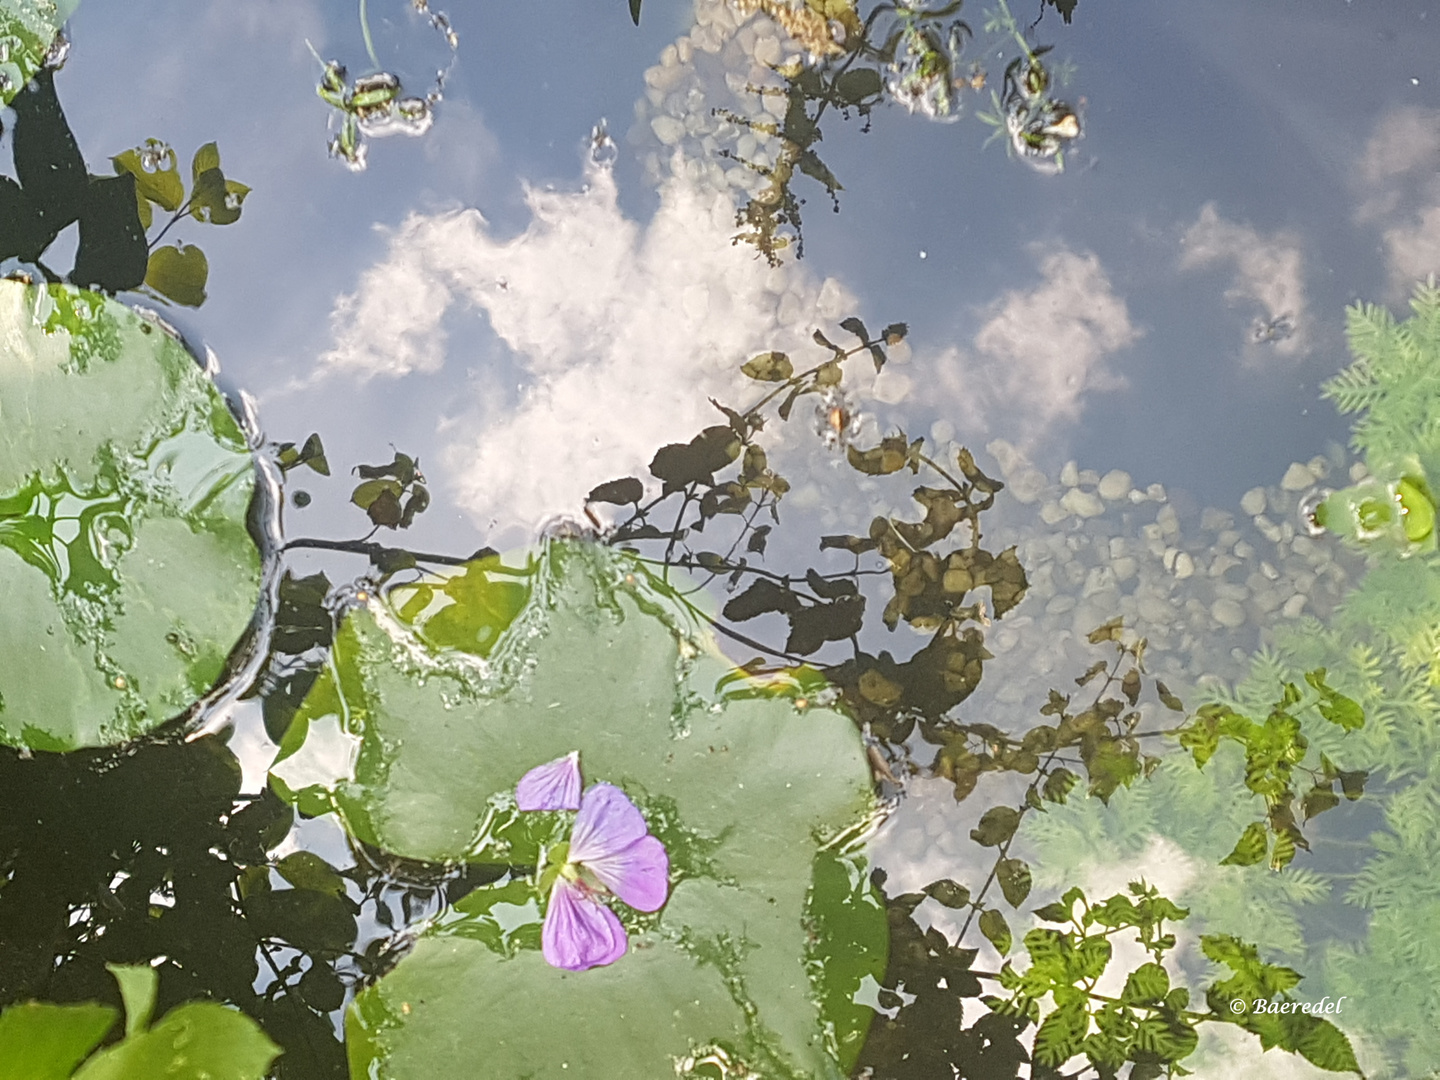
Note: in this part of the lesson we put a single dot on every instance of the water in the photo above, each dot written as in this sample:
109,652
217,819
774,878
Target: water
1124,305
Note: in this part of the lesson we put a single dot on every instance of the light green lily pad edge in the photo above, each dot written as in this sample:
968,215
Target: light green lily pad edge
745,793
125,562
27,28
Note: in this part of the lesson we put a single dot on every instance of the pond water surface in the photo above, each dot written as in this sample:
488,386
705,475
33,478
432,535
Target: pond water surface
1099,257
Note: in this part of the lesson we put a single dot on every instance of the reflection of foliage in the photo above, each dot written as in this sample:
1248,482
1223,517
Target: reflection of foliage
197,1039
930,588
182,875
907,53
113,212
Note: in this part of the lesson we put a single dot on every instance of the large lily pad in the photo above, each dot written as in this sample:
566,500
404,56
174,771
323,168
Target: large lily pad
126,566
771,924
27,29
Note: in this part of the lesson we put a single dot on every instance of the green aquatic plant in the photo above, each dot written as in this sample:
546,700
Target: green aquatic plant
597,655
125,487
32,36
199,1039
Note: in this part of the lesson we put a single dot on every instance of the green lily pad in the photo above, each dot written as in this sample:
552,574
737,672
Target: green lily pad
771,925
27,29
125,561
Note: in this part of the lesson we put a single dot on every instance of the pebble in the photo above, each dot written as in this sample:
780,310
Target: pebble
667,129
1028,485
1228,613
1253,501
1114,485
1070,474
1168,521
1294,606
1184,565
1052,513
1297,477
1085,504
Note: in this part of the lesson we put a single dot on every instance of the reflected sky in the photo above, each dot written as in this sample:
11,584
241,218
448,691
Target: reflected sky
1167,305
529,323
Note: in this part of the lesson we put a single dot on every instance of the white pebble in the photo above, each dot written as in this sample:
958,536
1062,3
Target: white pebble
1293,606
1184,565
1083,504
1070,474
1052,513
1253,501
667,129
1297,477
1114,485
1228,613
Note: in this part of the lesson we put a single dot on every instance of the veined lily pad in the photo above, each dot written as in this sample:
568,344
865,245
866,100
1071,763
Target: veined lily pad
27,29
769,929
126,566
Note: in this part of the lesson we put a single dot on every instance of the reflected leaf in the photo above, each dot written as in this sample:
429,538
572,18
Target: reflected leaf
179,273
590,664
769,367
619,492
157,177
679,465
859,84
128,570
112,252
47,160
996,930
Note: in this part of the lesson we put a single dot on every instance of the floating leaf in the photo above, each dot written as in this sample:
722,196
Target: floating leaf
590,664
123,619
138,984
200,1039
39,1041
29,29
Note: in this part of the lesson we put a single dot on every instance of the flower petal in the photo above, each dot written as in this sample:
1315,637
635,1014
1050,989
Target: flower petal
638,875
608,823
579,931
552,786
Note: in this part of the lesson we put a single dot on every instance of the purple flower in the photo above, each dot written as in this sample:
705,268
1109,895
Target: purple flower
552,786
611,849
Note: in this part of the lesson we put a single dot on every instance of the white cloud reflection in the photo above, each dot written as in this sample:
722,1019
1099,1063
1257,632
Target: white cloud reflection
620,332
1041,350
1401,193
1269,279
